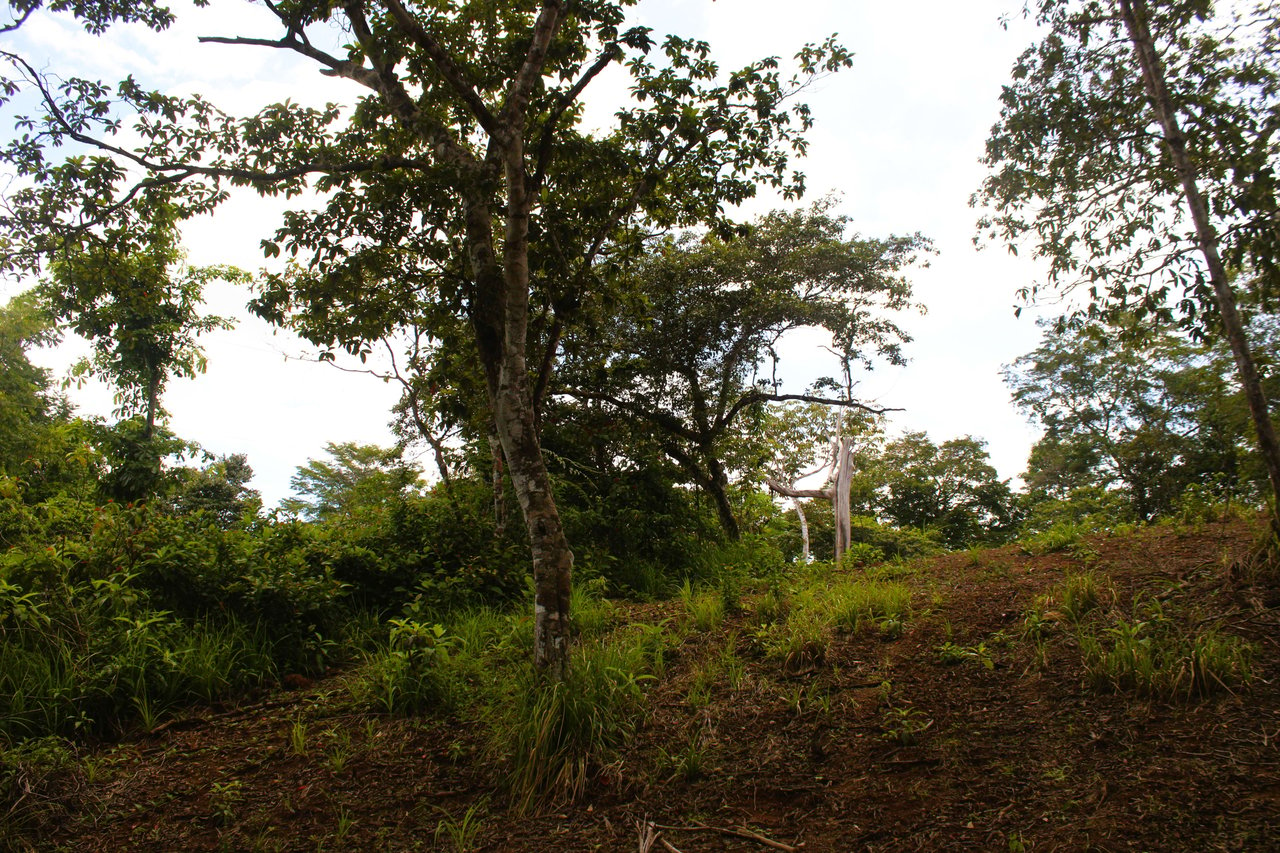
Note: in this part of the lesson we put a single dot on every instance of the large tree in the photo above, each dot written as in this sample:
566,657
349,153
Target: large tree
1136,145
950,488
462,174
693,356
1148,412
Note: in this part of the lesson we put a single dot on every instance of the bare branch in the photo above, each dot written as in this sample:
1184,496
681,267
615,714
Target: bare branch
753,397
789,492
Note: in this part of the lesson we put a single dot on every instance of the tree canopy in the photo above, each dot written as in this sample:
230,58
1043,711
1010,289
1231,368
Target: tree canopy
461,174
692,355
1168,209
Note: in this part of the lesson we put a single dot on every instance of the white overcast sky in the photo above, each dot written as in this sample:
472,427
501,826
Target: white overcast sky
898,137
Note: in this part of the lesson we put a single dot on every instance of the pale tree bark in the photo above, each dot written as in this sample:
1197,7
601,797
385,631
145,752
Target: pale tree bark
844,480
837,493
804,531
1136,15
496,474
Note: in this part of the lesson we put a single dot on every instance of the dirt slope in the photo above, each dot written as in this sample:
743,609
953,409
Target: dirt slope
958,734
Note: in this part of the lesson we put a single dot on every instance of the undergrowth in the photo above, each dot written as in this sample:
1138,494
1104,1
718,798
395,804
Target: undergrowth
1155,652
557,736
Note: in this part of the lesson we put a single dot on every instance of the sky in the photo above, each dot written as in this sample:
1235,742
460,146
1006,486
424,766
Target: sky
898,138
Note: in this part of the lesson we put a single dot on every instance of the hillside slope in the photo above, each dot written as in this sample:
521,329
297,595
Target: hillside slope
975,721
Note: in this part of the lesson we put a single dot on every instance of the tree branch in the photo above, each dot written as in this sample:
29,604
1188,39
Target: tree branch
754,397
789,492
666,421
449,70
547,136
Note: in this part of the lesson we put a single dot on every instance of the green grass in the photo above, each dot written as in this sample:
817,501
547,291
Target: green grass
1154,657
1059,537
855,603
557,734
705,608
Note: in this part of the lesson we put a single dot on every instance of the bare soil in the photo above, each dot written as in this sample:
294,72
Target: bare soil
867,743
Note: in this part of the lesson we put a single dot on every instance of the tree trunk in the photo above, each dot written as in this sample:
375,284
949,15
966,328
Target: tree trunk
840,497
499,495
1135,15
804,531
795,494
715,484
552,559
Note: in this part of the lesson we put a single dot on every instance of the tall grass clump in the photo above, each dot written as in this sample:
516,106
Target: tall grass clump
1068,603
853,604
593,614
705,608
559,735
89,670
1154,657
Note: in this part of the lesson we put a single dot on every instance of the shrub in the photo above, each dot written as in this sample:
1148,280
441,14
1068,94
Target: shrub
415,673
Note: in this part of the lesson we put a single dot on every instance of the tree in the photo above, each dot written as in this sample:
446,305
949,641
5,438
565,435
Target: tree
462,165
359,475
220,490
139,308
27,404
1146,411
685,357
951,488
1107,189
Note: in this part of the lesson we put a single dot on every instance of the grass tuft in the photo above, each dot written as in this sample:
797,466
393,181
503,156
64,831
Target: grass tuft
559,735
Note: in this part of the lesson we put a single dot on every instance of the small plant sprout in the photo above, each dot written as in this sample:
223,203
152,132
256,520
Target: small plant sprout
345,822
224,797
461,832
298,737
904,725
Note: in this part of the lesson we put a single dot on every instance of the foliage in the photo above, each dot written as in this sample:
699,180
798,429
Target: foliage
561,734
220,491
138,307
1075,164
1144,412
681,357
1107,189
1152,656
950,488
414,675
630,520
129,610
359,476
460,197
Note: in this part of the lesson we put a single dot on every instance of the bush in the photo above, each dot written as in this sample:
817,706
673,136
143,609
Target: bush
415,673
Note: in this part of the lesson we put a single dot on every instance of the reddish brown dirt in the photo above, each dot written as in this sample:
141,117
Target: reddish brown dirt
811,754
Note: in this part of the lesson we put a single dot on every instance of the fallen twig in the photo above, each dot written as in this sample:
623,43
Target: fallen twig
739,832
